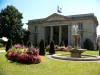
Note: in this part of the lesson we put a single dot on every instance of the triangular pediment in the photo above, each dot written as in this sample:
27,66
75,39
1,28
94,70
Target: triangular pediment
54,17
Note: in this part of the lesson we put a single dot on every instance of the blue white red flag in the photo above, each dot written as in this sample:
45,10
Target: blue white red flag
59,10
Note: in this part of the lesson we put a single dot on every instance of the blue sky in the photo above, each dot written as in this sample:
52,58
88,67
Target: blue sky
34,9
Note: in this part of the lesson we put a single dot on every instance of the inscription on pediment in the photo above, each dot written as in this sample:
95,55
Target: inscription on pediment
55,18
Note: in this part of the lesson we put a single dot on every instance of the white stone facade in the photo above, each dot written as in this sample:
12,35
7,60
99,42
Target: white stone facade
60,25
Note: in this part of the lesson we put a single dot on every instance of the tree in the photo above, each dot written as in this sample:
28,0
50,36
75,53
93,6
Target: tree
11,24
8,45
26,36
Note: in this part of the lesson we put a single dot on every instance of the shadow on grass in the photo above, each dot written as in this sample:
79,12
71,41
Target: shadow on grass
19,63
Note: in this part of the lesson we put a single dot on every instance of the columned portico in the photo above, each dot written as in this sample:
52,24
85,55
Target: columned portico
52,34
58,34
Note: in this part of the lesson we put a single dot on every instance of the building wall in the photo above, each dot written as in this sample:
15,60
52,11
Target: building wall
30,28
89,29
40,33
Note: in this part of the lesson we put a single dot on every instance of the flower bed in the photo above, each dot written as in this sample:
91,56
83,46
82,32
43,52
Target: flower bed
23,55
57,48
69,48
62,48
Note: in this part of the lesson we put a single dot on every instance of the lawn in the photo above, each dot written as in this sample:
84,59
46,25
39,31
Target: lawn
2,48
50,67
86,52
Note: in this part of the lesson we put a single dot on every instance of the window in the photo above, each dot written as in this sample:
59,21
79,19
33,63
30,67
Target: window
35,28
80,26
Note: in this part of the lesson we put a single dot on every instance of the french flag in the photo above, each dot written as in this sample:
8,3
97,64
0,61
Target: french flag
59,10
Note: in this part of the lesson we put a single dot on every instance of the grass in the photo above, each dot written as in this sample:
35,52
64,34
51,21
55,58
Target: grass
50,67
2,48
86,52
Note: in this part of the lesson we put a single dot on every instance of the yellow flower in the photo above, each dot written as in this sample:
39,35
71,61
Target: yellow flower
22,50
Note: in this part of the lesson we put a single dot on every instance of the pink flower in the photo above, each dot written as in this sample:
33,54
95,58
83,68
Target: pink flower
69,48
17,46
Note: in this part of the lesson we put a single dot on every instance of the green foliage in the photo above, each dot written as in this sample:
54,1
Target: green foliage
2,48
30,52
9,44
2,42
11,23
1,45
52,49
14,49
22,42
26,36
41,47
88,44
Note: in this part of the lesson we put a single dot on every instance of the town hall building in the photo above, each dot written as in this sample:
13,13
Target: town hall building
58,28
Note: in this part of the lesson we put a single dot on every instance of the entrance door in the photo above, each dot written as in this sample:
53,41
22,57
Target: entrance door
65,35
47,35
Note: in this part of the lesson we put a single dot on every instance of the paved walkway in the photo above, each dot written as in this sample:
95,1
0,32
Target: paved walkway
2,51
49,56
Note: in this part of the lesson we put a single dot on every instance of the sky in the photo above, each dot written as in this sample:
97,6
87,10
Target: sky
35,9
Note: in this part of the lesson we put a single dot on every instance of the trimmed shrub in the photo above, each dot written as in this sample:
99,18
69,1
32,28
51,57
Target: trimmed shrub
41,47
66,42
52,49
88,44
9,44
48,47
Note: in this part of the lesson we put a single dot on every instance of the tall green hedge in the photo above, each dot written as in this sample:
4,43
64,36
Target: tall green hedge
41,47
52,49
88,44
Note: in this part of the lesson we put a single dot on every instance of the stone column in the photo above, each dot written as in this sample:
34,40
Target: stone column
69,35
51,33
60,34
